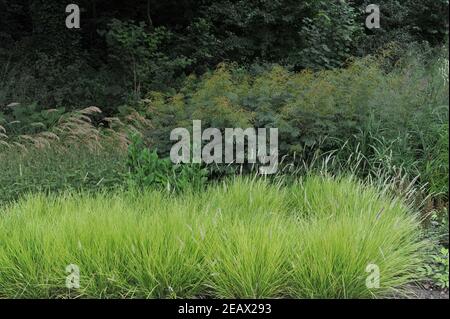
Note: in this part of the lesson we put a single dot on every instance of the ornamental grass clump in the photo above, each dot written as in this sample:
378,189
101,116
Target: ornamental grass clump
245,238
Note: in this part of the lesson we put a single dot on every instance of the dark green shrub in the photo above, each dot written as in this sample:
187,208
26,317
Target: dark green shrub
330,35
147,170
137,54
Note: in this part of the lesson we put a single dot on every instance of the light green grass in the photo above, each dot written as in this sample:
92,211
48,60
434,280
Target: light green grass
245,238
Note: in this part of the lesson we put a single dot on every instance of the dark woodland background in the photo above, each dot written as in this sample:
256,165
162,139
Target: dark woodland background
127,48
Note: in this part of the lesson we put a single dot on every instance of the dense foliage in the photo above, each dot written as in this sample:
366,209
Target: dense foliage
371,122
360,108
124,49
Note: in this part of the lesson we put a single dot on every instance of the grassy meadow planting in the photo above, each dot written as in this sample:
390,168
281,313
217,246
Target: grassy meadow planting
239,239
107,200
